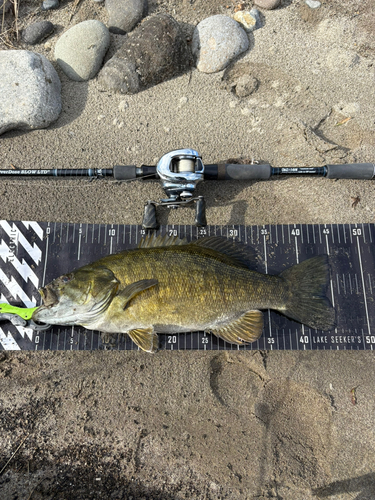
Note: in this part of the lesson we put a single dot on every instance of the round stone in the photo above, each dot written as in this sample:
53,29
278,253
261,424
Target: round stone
30,91
37,32
50,4
216,41
125,14
267,4
249,20
80,51
313,4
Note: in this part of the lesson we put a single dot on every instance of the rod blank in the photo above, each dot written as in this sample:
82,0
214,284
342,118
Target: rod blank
221,171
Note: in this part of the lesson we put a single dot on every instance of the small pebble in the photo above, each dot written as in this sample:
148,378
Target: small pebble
183,101
101,117
250,20
122,106
50,4
313,4
267,4
37,32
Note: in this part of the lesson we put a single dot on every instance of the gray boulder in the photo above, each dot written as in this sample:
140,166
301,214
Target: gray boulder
30,91
217,40
154,52
125,14
80,51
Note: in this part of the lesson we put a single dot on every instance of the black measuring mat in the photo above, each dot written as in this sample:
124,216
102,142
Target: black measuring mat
34,253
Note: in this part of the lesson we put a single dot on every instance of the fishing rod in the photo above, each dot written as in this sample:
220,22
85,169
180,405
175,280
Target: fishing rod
181,170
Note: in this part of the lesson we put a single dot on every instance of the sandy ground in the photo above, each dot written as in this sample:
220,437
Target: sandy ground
254,425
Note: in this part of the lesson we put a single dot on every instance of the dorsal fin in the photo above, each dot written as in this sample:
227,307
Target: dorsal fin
160,240
240,255
235,253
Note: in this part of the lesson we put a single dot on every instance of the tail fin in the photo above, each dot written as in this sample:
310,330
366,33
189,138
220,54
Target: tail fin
307,284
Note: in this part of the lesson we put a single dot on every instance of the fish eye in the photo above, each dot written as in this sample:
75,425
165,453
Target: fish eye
66,278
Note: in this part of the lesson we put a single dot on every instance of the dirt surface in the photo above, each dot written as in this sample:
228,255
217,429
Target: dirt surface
254,425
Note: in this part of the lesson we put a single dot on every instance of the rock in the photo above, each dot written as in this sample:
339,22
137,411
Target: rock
125,14
155,51
238,80
122,106
119,75
80,51
216,41
50,4
313,4
246,85
37,32
250,20
267,4
30,91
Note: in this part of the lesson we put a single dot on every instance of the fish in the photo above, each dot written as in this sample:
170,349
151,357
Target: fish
168,285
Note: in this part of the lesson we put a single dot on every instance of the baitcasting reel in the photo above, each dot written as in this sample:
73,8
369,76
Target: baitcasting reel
179,171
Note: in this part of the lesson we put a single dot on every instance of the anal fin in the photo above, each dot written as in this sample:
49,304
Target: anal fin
145,339
246,329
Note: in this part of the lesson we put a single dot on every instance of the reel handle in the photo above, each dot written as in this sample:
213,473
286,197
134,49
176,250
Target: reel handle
200,212
149,217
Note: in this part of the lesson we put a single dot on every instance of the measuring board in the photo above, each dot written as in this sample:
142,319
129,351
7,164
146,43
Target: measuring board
34,253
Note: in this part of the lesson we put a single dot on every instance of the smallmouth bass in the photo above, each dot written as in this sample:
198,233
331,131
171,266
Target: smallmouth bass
168,285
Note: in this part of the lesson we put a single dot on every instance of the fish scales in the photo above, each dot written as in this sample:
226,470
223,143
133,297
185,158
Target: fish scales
194,289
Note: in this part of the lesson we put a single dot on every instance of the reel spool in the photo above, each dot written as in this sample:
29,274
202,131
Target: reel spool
180,171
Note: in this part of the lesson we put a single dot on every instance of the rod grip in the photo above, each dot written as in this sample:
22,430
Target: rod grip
351,171
234,171
124,172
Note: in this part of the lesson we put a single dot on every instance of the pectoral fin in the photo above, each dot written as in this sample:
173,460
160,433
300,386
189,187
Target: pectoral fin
145,339
133,289
247,328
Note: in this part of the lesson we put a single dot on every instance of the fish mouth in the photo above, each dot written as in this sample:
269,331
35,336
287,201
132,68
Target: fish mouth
49,296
